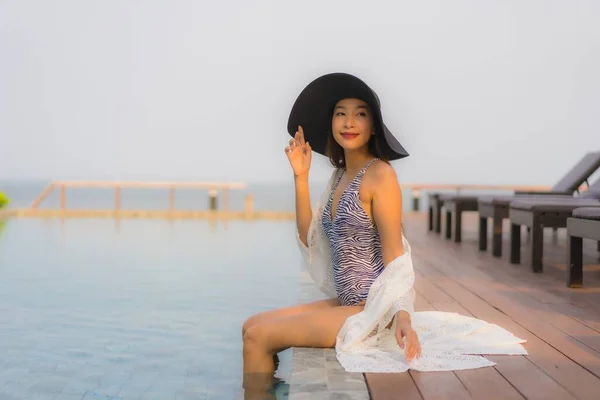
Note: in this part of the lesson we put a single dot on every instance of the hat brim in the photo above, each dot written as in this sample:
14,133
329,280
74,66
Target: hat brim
313,111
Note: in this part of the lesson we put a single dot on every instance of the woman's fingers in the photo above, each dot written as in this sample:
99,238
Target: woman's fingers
413,347
410,351
293,144
301,135
298,142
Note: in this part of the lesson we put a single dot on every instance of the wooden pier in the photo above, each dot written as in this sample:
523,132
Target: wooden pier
212,212
148,214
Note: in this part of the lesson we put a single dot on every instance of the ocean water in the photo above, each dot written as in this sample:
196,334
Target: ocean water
142,309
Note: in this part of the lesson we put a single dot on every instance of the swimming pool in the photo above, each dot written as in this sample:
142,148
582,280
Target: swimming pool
142,309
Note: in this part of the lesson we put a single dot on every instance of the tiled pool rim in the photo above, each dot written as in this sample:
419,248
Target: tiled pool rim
316,374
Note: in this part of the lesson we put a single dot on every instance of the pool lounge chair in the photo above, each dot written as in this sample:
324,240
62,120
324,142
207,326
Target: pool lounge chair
456,204
538,214
583,224
496,207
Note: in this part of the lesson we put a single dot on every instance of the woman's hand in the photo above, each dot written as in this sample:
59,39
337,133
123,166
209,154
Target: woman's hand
299,154
412,347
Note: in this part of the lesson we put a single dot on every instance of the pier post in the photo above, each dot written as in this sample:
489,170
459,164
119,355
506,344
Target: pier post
416,197
212,199
249,206
117,199
63,198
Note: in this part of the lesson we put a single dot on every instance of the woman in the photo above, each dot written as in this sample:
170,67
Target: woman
352,244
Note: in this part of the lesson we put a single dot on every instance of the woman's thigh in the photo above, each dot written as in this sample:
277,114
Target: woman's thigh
316,328
289,311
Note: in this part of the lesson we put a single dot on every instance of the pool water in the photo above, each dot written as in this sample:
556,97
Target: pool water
136,309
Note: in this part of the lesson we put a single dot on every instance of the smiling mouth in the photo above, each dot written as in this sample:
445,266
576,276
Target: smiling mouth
347,135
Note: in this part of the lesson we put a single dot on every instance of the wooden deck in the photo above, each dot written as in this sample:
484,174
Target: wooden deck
561,325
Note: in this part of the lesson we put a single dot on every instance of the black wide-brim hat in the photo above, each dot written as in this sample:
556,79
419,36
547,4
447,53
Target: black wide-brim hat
313,111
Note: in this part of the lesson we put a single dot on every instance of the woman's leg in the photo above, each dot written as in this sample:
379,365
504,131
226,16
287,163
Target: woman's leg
317,328
288,311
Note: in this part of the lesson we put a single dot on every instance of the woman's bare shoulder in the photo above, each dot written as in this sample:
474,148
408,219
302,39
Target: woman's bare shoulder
381,174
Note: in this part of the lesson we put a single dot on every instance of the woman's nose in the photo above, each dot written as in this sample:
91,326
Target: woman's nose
349,122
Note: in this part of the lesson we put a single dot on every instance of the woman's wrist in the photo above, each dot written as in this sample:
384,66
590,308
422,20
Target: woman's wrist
403,320
302,178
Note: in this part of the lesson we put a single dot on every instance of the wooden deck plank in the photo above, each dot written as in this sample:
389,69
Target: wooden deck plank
436,384
482,383
439,385
554,363
387,386
543,286
503,297
581,304
572,303
555,249
561,324
392,386
488,383
530,380
426,385
421,303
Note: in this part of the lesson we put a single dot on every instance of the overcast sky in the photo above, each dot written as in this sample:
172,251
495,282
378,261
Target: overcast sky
477,91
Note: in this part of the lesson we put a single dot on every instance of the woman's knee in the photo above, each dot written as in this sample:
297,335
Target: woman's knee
248,323
256,336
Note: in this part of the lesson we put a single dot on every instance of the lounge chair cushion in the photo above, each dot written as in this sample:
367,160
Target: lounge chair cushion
506,200
590,195
587,213
554,205
433,196
458,197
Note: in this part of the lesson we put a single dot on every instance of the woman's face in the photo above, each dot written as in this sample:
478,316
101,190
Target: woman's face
352,124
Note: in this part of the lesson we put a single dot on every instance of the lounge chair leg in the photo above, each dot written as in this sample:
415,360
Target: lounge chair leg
430,210
483,233
438,217
537,245
515,243
575,261
448,225
457,225
497,237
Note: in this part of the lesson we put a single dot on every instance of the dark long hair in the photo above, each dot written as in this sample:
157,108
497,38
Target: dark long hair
335,152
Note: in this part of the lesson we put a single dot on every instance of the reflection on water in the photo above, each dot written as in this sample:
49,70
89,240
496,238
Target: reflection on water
264,387
136,308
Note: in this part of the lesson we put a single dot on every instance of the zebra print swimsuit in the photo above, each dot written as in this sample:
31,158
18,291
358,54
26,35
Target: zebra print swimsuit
354,242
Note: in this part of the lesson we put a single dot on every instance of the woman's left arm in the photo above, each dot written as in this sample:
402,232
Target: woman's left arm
387,215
